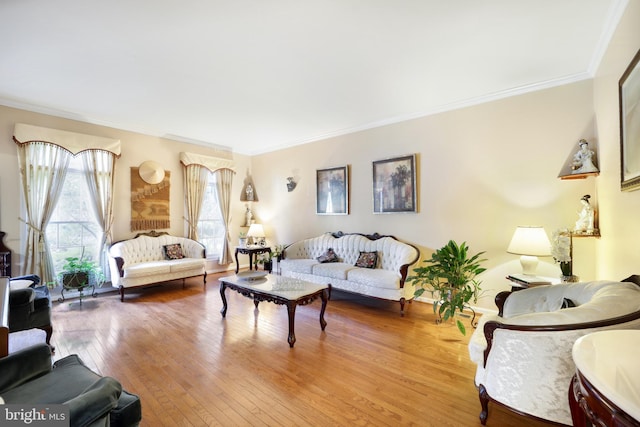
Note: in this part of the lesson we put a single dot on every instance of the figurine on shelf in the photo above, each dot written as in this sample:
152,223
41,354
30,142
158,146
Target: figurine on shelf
249,192
248,217
585,222
583,159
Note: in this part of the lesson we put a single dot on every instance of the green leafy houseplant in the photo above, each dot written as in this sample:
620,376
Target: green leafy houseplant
451,273
77,273
267,258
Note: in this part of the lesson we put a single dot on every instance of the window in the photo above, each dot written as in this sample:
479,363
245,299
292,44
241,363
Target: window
73,230
211,231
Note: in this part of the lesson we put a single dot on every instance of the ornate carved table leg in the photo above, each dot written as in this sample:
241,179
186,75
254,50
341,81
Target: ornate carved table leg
325,298
223,286
291,310
237,264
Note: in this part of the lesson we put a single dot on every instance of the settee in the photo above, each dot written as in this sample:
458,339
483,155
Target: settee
523,353
153,258
332,257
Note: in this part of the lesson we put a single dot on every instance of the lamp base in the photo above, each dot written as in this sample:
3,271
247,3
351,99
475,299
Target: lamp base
529,264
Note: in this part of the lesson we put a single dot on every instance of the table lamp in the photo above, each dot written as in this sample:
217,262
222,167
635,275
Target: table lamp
530,243
256,232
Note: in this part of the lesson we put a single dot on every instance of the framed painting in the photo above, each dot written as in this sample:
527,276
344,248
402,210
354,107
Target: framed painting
629,98
394,185
332,191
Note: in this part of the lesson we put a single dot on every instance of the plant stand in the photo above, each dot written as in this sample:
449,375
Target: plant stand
78,289
474,322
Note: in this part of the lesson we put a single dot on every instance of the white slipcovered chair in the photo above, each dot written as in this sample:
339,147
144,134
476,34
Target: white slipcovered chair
523,353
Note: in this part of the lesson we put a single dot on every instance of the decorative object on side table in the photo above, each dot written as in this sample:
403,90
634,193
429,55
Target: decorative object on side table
242,239
451,272
562,252
529,243
267,258
79,274
256,233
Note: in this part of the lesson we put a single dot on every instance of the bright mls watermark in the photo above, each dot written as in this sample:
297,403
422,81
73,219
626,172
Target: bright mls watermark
34,415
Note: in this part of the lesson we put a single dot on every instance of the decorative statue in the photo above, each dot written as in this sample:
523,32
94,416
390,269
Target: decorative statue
248,217
585,220
583,159
249,192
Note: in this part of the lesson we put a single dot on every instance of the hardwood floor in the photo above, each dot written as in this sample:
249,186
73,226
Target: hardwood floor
191,367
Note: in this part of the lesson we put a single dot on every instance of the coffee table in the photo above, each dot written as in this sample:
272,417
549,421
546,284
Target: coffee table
278,290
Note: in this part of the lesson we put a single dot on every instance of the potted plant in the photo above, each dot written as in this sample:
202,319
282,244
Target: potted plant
78,273
242,239
451,273
267,258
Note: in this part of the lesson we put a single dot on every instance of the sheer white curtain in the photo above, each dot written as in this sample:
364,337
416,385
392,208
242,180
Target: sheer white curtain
99,169
195,185
43,167
224,182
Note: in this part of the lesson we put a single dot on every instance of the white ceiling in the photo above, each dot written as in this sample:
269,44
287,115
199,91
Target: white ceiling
257,75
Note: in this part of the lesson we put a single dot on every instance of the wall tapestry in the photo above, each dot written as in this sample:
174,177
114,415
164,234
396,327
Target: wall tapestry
149,203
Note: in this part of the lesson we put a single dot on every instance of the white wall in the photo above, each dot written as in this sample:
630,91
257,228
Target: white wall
482,171
617,253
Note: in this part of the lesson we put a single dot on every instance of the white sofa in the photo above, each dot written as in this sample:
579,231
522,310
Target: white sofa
386,280
141,261
523,354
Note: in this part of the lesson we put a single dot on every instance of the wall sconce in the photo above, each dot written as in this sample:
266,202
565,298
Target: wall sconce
291,184
256,233
530,243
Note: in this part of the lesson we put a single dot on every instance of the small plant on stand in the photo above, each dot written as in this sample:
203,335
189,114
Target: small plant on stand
78,274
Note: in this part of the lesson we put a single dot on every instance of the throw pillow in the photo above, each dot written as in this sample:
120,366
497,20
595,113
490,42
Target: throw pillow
173,251
328,256
367,260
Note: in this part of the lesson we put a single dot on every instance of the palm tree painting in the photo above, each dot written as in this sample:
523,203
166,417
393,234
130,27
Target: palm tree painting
394,185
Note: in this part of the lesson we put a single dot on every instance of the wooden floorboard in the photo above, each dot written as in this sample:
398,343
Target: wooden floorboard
191,367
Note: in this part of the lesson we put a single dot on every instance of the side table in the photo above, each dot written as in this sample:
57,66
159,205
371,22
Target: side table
251,251
605,390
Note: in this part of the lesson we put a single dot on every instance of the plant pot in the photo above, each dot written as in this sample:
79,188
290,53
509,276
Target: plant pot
75,280
242,242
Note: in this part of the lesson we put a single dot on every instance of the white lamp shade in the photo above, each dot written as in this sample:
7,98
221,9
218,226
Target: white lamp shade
530,241
256,230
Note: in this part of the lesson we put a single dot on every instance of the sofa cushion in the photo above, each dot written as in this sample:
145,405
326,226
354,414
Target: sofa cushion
185,264
147,268
375,277
367,260
328,256
298,265
173,251
333,270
